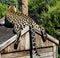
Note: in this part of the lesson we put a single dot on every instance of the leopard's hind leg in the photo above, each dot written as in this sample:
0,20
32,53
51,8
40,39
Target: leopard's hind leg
17,30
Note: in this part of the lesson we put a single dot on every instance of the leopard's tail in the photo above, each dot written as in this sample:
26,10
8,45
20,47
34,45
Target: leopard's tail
34,43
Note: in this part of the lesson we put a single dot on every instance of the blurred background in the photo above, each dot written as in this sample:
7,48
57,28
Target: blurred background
44,12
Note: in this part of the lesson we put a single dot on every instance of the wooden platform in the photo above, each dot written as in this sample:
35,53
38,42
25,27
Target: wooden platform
47,49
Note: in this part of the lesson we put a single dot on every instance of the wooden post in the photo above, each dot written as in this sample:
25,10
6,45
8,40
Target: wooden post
25,7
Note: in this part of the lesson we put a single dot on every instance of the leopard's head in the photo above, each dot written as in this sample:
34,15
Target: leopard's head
12,8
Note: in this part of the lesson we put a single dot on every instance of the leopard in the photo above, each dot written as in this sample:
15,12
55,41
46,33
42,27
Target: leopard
19,21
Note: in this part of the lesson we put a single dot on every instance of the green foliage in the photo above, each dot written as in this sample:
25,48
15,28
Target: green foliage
36,7
4,5
51,2
59,56
3,9
54,12
47,15
9,2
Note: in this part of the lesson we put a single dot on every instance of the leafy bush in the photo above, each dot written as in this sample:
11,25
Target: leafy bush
3,9
46,15
9,2
59,56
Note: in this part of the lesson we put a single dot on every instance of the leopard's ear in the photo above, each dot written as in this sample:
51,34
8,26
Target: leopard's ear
12,8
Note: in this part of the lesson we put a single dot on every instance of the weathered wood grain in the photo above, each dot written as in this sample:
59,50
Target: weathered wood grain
54,40
40,42
47,49
55,51
25,43
16,55
44,53
0,55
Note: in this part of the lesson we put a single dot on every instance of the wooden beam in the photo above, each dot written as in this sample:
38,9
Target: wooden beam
47,54
5,44
20,54
53,39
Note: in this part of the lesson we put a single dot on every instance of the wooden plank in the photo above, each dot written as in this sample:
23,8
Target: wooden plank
26,29
53,39
24,54
2,46
27,41
24,42
44,55
16,54
54,51
44,52
40,43
47,57
0,55
23,57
